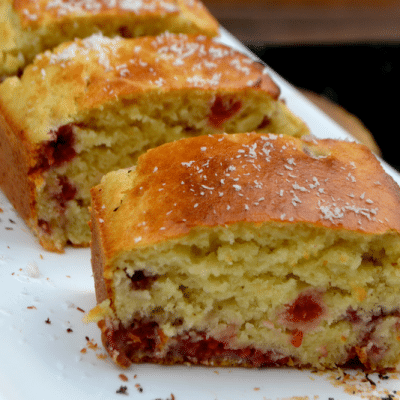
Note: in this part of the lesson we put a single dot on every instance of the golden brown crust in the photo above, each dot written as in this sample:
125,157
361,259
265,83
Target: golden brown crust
97,258
90,73
29,27
244,178
198,14
14,171
34,14
19,176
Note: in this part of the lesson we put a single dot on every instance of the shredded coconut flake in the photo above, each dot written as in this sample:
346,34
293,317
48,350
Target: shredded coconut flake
32,270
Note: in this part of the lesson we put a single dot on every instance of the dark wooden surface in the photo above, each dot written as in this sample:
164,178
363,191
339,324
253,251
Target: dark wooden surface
312,21
344,53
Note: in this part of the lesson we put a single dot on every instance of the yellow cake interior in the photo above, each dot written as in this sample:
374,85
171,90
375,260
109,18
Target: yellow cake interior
240,284
113,136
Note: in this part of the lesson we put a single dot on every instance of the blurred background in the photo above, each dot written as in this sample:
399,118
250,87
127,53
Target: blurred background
343,54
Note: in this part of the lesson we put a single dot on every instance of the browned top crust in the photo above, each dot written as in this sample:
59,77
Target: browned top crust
78,76
34,13
29,27
222,180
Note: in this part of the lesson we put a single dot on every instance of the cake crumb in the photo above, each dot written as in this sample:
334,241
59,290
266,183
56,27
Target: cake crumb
361,384
122,390
299,398
139,388
32,270
91,344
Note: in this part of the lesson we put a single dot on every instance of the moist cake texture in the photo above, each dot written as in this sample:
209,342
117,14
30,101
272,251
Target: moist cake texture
93,105
28,27
249,250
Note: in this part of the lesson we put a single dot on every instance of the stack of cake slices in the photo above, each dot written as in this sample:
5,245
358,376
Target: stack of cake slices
93,105
29,27
221,233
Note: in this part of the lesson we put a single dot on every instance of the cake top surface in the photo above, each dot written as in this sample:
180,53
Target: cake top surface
90,73
36,13
221,180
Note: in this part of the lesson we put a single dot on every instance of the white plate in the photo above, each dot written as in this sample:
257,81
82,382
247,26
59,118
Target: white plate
47,352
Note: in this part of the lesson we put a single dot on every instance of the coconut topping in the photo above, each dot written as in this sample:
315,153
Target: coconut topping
34,10
197,61
216,188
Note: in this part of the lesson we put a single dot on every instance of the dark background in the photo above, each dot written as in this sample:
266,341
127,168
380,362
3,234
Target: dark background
346,51
362,78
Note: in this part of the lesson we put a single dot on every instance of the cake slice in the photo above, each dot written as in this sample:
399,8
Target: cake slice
94,105
28,27
249,250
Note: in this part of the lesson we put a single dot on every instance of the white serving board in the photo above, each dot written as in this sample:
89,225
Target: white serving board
47,352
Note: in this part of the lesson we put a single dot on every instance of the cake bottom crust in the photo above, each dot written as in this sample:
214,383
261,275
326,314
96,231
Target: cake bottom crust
145,342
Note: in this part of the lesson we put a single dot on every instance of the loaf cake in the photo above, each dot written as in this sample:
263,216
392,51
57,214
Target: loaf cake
249,250
93,105
28,27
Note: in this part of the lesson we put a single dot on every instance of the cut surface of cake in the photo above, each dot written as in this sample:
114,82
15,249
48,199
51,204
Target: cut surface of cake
249,250
94,105
28,27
